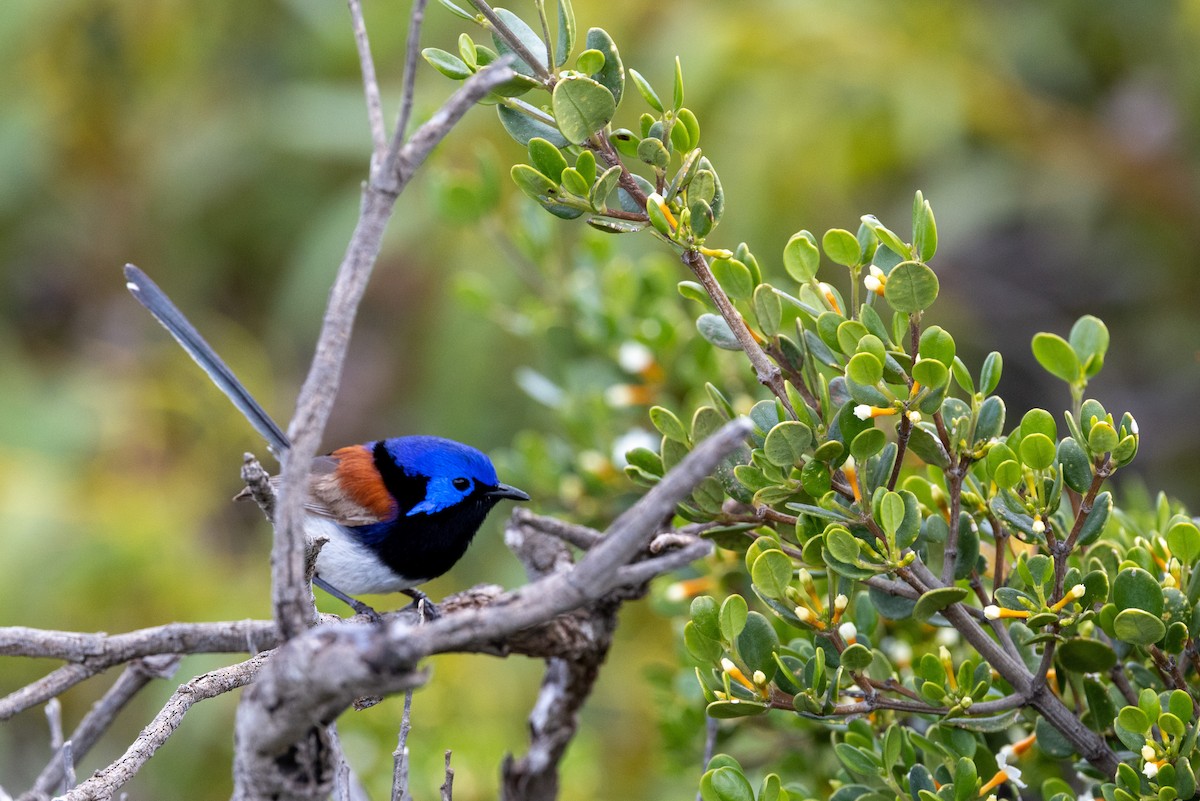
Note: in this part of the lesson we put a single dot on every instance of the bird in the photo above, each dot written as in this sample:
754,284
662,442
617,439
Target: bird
395,512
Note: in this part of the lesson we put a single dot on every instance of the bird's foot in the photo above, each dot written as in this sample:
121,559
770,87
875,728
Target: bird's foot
425,608
358,606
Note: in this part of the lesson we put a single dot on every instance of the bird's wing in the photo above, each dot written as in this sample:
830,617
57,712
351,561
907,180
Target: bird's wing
337,493
346,487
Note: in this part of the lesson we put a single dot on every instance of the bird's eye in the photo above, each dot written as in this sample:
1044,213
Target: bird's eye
461,483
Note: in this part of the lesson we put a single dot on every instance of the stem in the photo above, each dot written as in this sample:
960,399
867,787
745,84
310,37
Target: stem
510,38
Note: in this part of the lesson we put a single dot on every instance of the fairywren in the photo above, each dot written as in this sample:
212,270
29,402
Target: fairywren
396,512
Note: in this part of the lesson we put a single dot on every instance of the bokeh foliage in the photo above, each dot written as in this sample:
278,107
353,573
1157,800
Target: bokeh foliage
221,149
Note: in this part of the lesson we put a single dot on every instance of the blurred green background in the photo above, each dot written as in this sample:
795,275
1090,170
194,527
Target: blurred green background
221,145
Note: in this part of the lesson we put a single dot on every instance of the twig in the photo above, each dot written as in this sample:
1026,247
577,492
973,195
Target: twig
517,46
400,791
370,82
105,782
415,20
447,788
103,713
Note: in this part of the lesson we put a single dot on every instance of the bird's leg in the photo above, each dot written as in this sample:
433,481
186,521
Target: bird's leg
355,604
431,611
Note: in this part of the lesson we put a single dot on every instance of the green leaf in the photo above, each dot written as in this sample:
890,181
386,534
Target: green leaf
856,760
1093,527
841,247
757,644
865,369
448,64
727,710
1135,588
524,128
936,600
936,343
456,11
546,158
1089,340
668,424
886,237
911,287
653,152
1057,356
581,106
733,276
857,657
1183,539
1037,451
716,331
966,780
891,513
801,257
867,443
787,442
1134,719
532,182
566,33
1138,627
772,572
842,545
532,42
733,617
590,62
991,418
930,373
678,94
989,376
768,309
604,187
702,647
612,76
704,613
1077,468
726,783
647,92
925,238
1085,655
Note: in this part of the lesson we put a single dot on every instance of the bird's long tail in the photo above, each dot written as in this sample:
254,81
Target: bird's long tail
167,313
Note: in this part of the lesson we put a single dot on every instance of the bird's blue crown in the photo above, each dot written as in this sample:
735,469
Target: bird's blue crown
453,470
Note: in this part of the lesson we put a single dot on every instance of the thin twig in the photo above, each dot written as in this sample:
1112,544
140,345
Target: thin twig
400,791
104,783
404,116
514,43
104,712
370,83
447,788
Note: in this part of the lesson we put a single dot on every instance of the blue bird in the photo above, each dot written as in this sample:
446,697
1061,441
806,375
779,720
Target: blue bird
396,512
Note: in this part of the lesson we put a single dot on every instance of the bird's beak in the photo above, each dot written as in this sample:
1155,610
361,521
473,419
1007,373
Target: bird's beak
505,491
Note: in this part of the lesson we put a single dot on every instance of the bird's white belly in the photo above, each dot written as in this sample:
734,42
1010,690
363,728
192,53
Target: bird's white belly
349,565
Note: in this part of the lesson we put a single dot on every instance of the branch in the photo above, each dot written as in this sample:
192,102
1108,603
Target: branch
370,82
291,596
103,713
104,783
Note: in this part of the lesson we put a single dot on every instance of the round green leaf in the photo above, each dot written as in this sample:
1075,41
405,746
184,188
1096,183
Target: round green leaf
841,247
546,158
1135,588
1039,421
867,443
590,62
911,287
1085,655
865,369
772,572
704,613
786,443
935,601
732,616
1077,468
842,545
1057,356
524,128
716,331
758,643
891,513
733,276
1134,719
702,647
930,373
1183,539
612,75
1138,627
668,424
581,107
857,657
936,343
1037,451
801,257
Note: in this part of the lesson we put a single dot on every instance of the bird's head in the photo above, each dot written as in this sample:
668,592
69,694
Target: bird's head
427,475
